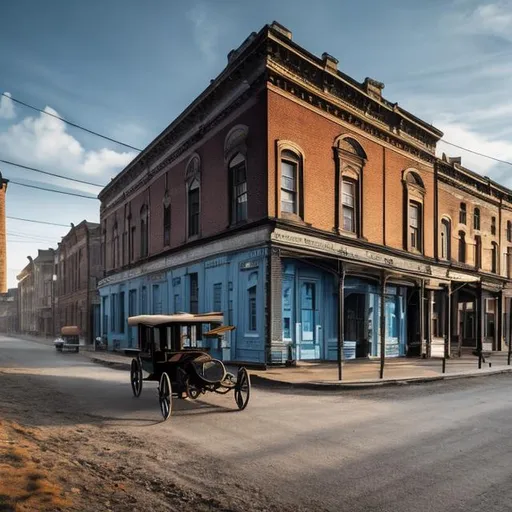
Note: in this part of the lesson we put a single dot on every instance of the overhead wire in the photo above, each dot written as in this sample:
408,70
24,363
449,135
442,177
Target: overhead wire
52,190
76,180
92,132
38,221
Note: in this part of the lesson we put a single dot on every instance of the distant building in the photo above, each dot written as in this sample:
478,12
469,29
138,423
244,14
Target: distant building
77,271
3,236
313,213
35,294
9,311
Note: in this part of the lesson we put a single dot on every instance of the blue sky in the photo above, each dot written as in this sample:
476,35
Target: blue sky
127,68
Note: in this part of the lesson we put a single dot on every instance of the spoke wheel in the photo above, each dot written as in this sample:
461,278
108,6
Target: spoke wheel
165,395
242,389
136,377
192,391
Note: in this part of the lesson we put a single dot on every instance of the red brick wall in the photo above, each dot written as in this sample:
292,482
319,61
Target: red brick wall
315,134
214,188
449,204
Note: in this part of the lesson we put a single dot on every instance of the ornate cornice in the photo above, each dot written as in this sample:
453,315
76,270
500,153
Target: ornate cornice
465,181
344,114
350,92
193,116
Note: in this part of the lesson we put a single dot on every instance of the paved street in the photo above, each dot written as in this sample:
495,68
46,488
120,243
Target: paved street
436,447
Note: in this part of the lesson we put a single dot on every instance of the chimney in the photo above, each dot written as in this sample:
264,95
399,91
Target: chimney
281,29
330,62
373,88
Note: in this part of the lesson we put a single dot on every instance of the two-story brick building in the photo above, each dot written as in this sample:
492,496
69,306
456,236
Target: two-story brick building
77,269
312,212
35,294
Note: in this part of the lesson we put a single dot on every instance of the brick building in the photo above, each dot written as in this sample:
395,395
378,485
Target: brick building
77,270
9,311
3,236
288,192
35,294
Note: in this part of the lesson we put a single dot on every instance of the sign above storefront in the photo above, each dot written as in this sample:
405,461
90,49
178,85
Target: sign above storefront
347,252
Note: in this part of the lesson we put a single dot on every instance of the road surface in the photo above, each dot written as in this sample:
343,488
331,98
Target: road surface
430,447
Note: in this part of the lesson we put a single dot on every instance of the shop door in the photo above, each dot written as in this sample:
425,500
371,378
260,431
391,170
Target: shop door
310,329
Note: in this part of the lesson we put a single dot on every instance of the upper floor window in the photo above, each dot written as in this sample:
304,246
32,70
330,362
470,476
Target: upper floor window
478,252
415,226
238,177
494,257
235,155
509,262
476,218
445,239
115,246
144,231
462,213
289,182
193,195
350,159
348,200
415,192
493,225
193,208
509,231
462,247
166,204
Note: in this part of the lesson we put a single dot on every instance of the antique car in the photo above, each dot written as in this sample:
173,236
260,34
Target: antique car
69,339
173,351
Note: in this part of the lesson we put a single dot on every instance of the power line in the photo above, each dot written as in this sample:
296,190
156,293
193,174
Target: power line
28,236
52,190
29,242
39,221
70,123
51,174
477,153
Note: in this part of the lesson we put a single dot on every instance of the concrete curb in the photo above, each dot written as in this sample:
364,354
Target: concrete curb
115,365
355,385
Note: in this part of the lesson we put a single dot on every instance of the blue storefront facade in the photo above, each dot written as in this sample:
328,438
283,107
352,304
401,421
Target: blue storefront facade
232,283
310,314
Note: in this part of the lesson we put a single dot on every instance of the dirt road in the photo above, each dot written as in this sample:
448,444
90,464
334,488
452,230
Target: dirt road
435,447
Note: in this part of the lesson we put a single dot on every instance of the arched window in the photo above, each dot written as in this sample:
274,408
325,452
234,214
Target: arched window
478,252
350,159
462,213
494,258
166,204
193,177
445,239
290,171
414,192
462,247
144,231
115,246
238,178
509,231
476,218
235,155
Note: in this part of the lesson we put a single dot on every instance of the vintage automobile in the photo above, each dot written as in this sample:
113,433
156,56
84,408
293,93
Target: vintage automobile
69,339
172,351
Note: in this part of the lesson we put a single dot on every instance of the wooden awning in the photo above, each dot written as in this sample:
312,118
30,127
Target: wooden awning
179,318
219,331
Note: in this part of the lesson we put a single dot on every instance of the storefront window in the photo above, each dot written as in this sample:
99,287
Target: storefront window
287,307
308,305
490,313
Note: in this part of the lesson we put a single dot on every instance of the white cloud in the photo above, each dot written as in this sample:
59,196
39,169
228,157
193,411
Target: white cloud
488,19
466,136
43,142
7,107
206,32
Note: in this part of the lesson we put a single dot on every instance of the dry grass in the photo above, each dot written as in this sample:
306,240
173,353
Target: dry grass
24,486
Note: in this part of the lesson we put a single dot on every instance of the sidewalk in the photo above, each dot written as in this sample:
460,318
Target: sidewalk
324,376
356,374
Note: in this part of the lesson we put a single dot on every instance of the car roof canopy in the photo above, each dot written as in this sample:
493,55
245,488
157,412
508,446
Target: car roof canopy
178,318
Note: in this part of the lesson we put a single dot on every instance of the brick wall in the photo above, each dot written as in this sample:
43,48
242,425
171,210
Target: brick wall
214,191
315,135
